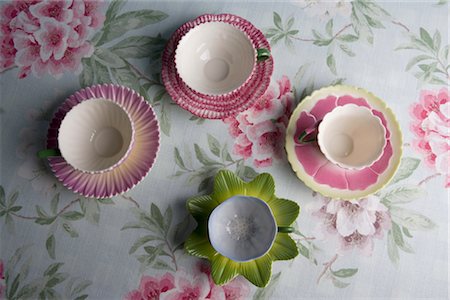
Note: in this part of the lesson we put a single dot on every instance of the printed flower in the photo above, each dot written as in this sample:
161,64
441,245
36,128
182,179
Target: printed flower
223,269
151,288
236,289
188,287
47,36
325,9
259,131
2,277
353,223
431,126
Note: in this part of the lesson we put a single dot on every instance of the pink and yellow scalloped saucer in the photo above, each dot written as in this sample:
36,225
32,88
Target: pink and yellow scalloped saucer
321,175
140,159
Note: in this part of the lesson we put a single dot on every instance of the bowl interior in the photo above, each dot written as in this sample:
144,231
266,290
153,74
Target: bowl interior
95,135
215,58
351,136
242,228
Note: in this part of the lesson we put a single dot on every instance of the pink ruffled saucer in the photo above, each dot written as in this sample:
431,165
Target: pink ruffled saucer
316,170
222,106
140,159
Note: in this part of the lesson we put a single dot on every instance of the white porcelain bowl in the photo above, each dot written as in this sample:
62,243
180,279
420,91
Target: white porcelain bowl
351,136
242,228
215,58
96,135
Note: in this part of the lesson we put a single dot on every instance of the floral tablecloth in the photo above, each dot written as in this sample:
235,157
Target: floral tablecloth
56,244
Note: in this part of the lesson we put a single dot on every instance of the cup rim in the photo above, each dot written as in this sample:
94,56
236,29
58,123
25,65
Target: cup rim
130,144
338,110
214,211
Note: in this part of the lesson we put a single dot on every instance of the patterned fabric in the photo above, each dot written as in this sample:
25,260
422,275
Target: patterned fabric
58,245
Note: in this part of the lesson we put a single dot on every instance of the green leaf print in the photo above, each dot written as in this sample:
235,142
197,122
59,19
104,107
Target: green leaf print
343,273
267,292
407,167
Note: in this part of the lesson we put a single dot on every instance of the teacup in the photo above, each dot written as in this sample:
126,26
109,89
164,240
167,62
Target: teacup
243,228
95,136
216,58
351,136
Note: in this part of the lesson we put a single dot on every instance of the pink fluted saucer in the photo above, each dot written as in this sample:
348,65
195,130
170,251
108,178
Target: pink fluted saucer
219,106
140,159
321,175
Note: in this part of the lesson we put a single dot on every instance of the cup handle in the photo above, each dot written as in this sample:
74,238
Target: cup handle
302,139
48,152
262,54
286,229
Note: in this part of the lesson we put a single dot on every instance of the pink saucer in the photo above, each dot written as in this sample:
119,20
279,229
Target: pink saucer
316,170
140,159
217,107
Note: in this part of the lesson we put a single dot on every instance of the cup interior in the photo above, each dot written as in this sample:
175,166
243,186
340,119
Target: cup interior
95,135
351,136
242,228
215,58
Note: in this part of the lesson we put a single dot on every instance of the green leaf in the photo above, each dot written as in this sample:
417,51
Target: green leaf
329,28
56,279
52,269
130,21
135,225
214,145
2,196
105,201
331,63
54,204
138,46
398,238
70,230
339,284
113,10
81,286
392,248
178,160
226,155
182,228
168,218
72,215
86,77
437,40
165,121
413,61
82,297
50,245
13,198
203,157
45,221
403,194
373,22
162,265
91,210
346,50
347,38
277,21
407,167
141,241
249,173
9,221
304,251
27,292
15,208
344,272
102,73
406,232
14,286
41,213
425,36
411,219
157,216
108,58
289,23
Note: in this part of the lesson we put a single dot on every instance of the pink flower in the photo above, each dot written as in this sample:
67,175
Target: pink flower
353,224
431,126
47,36
151,288
58,10
237,289
2,275
259,131
188,287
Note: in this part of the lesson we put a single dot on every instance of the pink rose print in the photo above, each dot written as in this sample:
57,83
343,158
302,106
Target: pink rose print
47,37
188,287
259,131
151,288
431,127
353,224
237,289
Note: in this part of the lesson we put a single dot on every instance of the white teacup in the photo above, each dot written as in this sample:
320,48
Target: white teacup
351,136
243,228
95,136
216,58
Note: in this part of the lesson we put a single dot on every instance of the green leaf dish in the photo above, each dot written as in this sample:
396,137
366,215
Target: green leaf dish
228,186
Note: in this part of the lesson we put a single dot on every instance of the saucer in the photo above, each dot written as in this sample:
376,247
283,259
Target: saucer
321,175
140,159
216,106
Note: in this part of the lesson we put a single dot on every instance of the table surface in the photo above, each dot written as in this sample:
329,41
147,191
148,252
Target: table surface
56,244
